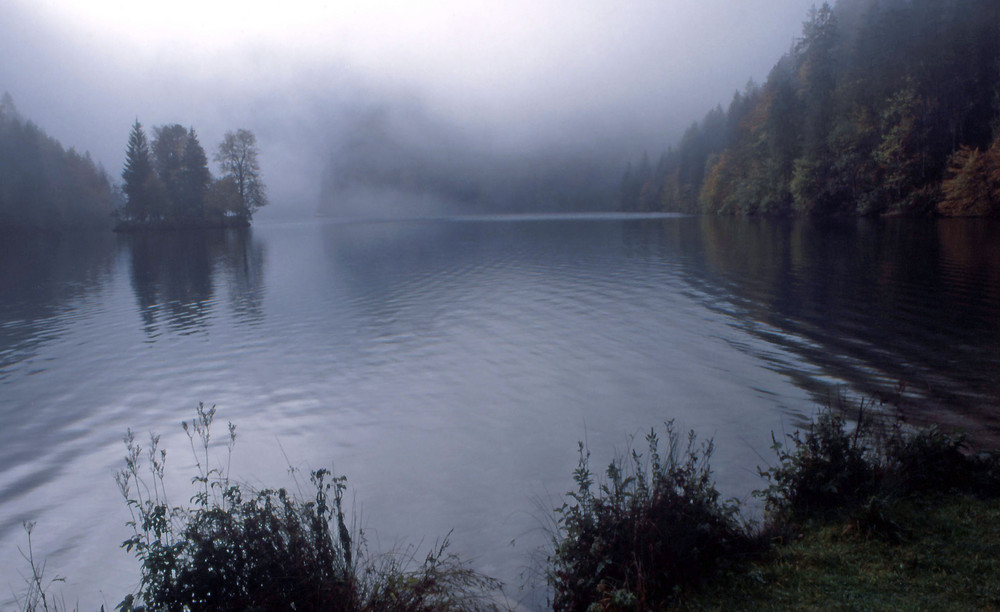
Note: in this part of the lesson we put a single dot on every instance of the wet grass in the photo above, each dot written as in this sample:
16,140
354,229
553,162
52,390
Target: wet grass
948,559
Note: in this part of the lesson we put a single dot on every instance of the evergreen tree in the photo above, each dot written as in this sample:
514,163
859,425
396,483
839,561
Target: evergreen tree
899,153
816,84
138,176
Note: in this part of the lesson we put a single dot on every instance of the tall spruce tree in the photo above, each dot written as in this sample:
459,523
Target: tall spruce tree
137,176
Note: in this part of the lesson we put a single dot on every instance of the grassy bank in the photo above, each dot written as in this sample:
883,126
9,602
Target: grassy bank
948,559
865,513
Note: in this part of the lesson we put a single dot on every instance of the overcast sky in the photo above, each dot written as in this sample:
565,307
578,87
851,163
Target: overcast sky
515,74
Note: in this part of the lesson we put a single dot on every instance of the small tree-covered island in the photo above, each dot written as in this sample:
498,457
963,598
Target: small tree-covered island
167,183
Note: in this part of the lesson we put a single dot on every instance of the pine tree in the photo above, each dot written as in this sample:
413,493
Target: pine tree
137,175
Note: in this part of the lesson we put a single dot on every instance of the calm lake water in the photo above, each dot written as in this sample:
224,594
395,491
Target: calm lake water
449,368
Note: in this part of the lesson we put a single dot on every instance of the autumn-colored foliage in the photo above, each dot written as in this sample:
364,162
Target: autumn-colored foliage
972,186
881,107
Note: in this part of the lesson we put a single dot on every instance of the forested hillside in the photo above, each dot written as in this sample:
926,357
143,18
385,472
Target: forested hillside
42,185
881,107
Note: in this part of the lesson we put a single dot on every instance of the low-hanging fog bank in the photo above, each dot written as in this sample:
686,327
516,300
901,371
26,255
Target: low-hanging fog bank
398,161
360,109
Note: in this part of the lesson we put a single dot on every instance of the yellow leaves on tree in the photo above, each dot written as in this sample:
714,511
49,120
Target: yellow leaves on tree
972,186
718,185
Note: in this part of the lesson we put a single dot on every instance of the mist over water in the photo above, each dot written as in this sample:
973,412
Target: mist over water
449,367
400,163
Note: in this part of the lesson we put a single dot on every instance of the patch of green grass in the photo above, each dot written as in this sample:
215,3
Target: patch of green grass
947,559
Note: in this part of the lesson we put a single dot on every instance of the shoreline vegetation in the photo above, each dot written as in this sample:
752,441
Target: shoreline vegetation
862,510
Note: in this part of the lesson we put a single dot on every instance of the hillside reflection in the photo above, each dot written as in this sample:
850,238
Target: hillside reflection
71,266
874,303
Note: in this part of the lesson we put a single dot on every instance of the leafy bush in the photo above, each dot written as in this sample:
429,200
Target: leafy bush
235,548
929,460
655,527
822,471
858,472
637,541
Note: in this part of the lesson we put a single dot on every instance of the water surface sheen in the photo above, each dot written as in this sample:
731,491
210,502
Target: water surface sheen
449,367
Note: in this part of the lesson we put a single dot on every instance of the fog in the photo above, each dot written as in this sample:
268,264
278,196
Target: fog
494,106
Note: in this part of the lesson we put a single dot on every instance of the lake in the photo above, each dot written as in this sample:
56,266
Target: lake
449,367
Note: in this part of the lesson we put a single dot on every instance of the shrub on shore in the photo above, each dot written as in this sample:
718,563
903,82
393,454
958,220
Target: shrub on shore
235,548
656,526
836,470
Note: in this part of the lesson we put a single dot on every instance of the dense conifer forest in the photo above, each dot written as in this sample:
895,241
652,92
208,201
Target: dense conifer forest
880,107
44,186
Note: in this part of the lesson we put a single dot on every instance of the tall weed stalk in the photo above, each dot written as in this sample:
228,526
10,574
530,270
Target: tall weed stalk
37,595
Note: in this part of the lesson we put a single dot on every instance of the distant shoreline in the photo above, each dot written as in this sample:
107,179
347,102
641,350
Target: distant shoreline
133,228
511,217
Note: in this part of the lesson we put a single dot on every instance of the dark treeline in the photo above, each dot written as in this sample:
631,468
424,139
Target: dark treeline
44,186
881,107
167,182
